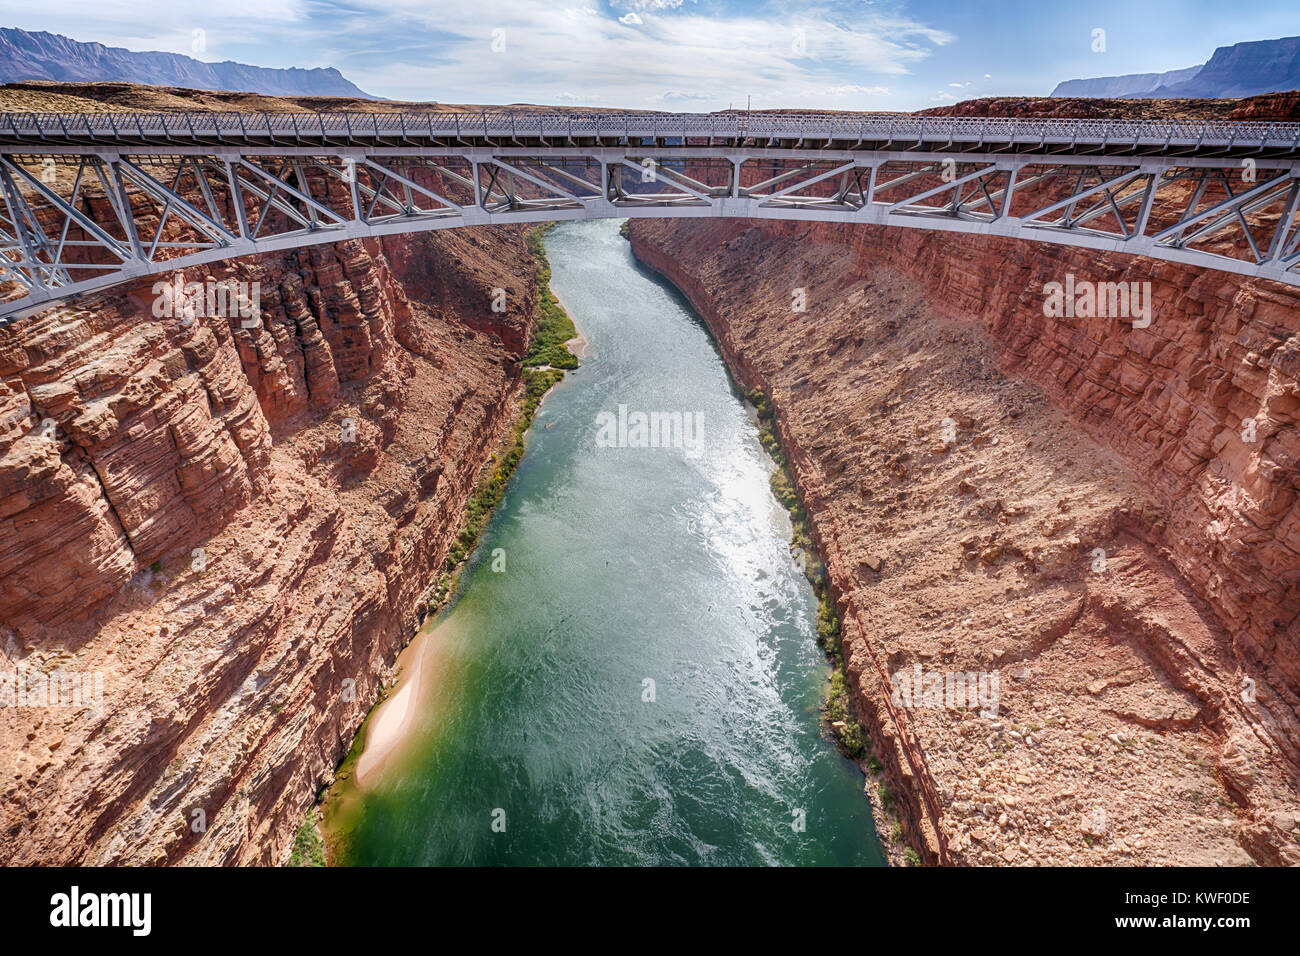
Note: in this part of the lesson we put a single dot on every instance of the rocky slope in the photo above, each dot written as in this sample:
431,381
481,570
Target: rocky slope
237,529
1148,701
1281,107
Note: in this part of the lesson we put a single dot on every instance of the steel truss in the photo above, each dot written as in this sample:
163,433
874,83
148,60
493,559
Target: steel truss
79,216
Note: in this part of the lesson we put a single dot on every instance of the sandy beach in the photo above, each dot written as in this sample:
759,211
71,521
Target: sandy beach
578,344
395,716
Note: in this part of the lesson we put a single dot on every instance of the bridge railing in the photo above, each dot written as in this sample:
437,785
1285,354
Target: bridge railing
880,127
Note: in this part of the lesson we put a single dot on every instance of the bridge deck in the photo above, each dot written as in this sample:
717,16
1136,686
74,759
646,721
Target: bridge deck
186,130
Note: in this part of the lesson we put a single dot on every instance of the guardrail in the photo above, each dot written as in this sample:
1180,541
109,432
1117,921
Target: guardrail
31,128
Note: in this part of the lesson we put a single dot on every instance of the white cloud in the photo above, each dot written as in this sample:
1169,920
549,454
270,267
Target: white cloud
442,49
851,90
718,59
648,5
677,97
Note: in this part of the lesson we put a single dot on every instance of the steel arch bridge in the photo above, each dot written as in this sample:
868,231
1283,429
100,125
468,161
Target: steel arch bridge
94,200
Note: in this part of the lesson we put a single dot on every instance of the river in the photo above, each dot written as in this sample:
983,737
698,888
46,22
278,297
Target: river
628,673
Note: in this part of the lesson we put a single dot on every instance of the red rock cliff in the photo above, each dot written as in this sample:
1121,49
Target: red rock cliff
237,529
1162,692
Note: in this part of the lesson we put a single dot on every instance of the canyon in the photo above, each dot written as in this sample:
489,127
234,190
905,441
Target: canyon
240,527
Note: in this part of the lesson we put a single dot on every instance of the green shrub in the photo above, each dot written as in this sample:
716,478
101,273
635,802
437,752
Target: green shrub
910,857
854,739
784,489
308,850
886,795
828,625
837,700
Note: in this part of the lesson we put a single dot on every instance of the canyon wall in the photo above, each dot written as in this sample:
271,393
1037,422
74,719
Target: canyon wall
235,526
1148,709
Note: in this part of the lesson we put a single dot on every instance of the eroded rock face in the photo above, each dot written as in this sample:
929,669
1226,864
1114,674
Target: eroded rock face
1153,695
1283,107
236,526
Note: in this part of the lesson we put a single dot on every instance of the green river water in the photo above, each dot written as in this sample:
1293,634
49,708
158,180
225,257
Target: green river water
538,737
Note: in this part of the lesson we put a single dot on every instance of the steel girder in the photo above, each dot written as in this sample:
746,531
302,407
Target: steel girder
77,219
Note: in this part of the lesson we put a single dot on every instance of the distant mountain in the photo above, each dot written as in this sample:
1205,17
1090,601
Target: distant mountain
1243,69
49,56
1119,87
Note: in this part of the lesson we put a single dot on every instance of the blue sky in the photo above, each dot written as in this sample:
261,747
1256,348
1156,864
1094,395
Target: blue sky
682,54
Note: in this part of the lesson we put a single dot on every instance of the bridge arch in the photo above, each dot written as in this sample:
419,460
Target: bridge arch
95,200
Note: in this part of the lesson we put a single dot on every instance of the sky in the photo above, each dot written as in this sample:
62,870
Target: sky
682,55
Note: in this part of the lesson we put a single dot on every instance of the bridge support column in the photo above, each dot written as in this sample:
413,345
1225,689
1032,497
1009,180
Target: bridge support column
124,201
237,198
